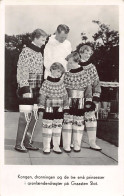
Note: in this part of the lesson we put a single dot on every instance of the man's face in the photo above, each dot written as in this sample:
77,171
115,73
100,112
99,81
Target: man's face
62,36
56,73
40,41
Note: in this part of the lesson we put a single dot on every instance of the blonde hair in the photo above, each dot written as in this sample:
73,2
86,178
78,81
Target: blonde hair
57,66
85,47
75,56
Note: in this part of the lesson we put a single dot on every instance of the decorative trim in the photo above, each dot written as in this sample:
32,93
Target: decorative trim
53,79
76,70
25,108
109,84
25,89
34,47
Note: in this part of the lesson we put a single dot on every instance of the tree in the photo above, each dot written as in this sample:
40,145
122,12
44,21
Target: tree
106,55
108,37
84,37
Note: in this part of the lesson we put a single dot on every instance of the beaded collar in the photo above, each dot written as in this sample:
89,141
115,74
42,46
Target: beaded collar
53,79
85,63
76,70
34,47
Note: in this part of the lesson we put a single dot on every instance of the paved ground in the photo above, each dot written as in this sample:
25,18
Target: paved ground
108,155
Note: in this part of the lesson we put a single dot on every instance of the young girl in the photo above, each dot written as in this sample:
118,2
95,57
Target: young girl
78,86
53,101
85,52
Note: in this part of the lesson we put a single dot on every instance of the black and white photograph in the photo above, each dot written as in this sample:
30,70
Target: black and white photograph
61,85
61,96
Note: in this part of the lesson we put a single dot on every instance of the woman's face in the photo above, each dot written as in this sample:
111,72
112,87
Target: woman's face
86,54
71,64
40,41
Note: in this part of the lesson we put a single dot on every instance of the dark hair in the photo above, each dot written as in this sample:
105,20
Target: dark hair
75,56
38,33
56,66
63,27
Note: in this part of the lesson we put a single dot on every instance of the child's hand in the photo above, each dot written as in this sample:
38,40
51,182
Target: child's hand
88,106
40,114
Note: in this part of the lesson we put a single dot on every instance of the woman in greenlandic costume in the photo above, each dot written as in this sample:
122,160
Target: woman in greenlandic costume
29,79
82,110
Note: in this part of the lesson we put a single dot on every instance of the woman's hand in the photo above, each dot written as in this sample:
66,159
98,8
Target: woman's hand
27,95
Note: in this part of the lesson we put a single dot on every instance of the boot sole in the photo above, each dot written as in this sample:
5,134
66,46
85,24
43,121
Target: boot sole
95,149
57,152
76,150
32,148
19,150
67,151
46,152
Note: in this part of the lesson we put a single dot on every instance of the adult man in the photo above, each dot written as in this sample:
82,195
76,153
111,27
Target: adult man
57,48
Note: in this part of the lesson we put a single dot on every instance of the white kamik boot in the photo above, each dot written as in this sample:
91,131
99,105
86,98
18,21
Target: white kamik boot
67,132
78,128
56,135
91,126
47,135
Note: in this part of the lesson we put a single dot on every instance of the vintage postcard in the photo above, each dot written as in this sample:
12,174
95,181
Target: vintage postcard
61,98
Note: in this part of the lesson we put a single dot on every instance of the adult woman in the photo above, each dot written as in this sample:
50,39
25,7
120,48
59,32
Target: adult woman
29,78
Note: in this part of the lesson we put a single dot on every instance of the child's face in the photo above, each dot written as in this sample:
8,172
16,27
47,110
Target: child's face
86,54
56,73
71,64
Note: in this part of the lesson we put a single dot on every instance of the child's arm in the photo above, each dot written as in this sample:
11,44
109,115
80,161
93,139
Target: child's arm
42,98
96,88
88,105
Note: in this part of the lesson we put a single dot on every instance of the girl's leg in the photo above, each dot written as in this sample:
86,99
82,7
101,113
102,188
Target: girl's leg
56,135
91,127
47,135
67,132
78,128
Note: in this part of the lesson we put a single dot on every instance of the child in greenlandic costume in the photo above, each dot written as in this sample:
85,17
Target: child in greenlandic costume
86,52
53,102
78,86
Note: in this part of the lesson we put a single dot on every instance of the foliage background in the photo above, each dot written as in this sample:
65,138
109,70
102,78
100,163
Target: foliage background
95,25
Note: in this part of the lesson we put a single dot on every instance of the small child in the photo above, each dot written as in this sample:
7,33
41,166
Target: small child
53,101
78,86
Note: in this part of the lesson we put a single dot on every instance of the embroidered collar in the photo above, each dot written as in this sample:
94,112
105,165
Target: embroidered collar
85,63
76,70
53,79
34,47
